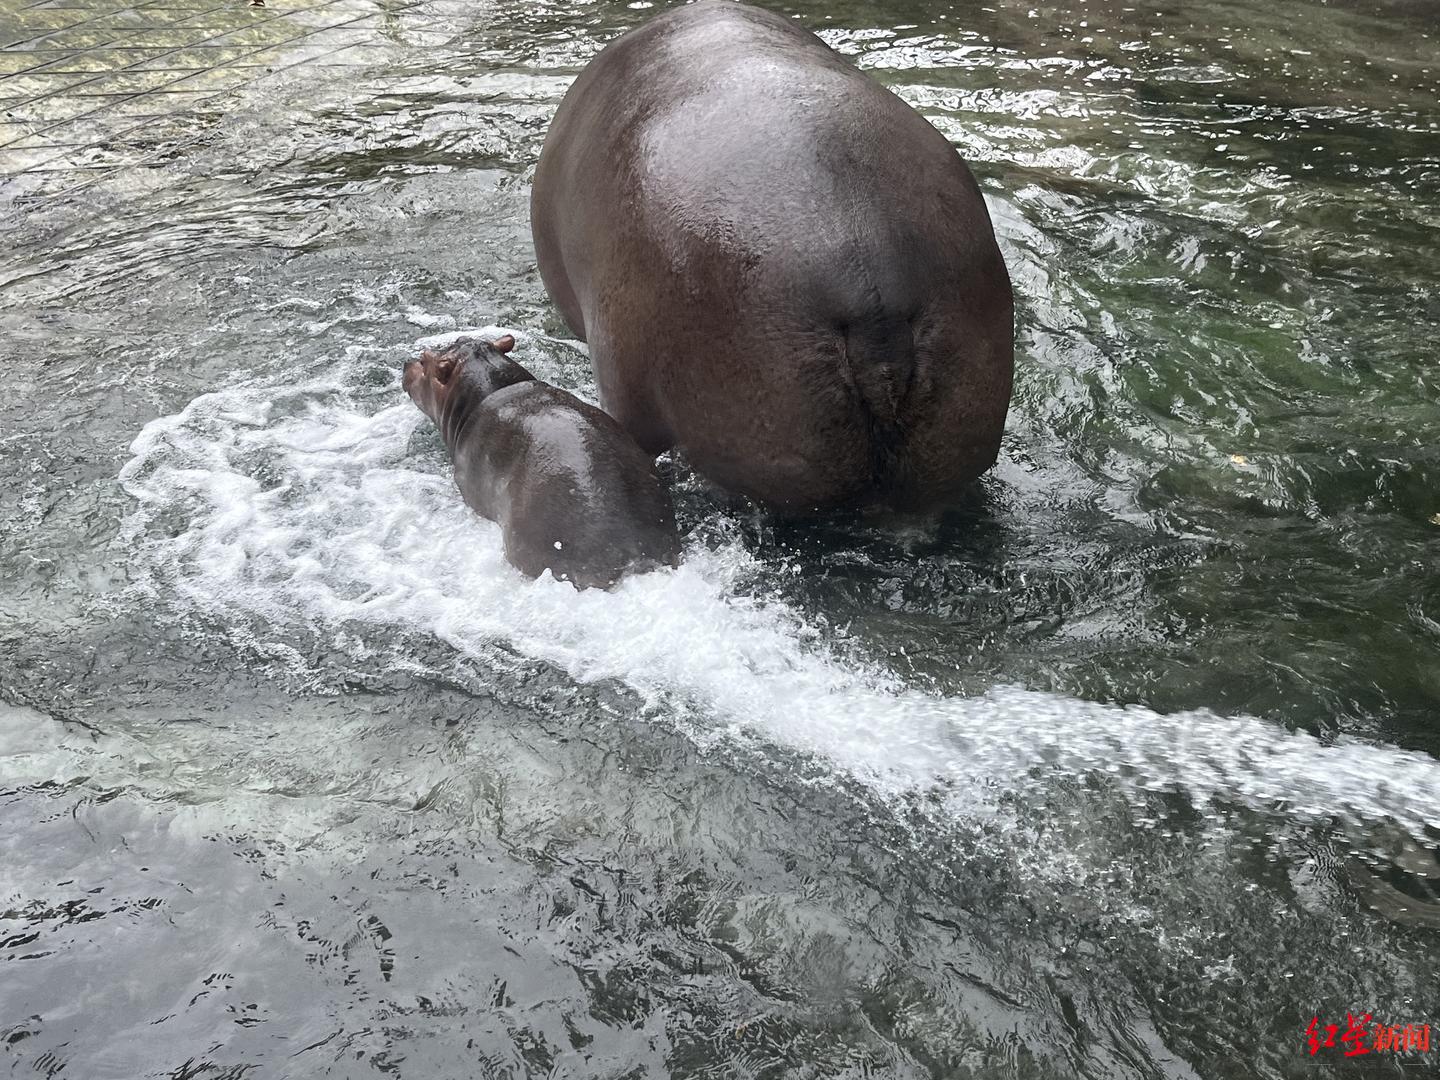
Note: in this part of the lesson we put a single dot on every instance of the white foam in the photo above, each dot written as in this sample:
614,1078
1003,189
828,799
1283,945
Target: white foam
304,506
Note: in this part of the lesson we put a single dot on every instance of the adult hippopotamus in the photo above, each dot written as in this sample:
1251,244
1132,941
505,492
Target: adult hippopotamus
780,267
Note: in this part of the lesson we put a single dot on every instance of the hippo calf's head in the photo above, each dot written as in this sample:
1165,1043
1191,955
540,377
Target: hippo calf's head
432,378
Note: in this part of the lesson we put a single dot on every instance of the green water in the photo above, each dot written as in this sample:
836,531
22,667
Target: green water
1127,768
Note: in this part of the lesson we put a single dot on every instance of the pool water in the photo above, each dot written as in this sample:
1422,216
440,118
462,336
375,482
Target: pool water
1126,768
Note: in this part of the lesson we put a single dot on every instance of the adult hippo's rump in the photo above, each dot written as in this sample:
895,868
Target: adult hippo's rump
779,266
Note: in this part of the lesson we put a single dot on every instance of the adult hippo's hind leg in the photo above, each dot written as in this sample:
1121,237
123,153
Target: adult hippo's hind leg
622,395
792,433
550,261
624,392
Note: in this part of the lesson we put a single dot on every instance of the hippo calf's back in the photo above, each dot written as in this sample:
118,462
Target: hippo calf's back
571,490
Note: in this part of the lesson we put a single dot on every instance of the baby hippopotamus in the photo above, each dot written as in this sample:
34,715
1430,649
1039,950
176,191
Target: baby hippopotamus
573,493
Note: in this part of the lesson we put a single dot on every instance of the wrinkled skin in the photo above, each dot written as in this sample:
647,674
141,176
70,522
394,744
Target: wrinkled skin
779,266
571,490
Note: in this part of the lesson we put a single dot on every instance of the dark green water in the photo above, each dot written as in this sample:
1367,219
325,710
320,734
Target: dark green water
1127,769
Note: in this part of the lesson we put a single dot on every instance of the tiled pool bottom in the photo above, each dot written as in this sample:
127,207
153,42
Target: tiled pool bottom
90,86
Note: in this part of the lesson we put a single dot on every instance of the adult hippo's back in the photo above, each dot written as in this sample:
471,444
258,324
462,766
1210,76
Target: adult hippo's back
779,266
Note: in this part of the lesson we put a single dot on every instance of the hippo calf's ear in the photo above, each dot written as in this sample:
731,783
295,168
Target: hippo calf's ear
504,344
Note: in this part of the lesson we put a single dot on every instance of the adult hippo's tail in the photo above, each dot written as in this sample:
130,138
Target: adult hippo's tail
877,362
880,359
779,266
902,374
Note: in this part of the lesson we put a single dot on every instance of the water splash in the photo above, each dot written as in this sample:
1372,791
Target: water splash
313,507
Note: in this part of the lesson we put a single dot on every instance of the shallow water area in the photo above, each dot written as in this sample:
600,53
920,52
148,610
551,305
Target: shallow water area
1126,768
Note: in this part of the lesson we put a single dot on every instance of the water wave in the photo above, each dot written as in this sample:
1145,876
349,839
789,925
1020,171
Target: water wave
312,507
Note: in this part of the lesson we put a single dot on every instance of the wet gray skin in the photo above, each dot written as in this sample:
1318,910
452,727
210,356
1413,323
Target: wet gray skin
1126,769
572,492
844,341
